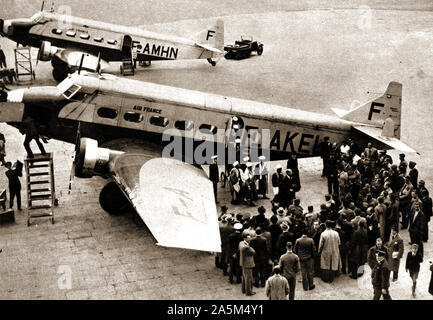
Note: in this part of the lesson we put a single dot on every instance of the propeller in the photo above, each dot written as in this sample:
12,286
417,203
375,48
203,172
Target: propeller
74,162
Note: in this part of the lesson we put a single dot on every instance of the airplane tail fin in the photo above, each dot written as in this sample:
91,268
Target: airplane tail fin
383,112
212,36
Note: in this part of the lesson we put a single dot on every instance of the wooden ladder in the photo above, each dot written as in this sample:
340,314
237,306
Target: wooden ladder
23,64
41,196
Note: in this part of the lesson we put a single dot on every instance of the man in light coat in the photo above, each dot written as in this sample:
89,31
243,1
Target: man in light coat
329,249
247,264
277,287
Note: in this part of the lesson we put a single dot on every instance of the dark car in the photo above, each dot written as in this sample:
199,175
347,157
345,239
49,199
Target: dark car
243,48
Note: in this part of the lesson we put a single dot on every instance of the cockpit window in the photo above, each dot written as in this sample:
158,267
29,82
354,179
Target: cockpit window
71,91
56,31
98,39
110,41
84,36
71,33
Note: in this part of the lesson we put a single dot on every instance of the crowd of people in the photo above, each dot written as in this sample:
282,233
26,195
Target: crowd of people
370,200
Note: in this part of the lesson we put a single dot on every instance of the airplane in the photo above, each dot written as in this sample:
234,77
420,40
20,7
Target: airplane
66,40
123,127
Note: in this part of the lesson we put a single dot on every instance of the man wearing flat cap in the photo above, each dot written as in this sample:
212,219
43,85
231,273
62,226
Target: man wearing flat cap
214,176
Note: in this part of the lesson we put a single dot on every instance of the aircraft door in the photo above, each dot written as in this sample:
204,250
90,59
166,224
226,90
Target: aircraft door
126,46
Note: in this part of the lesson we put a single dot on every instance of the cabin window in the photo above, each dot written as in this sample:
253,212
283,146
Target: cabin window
133,117
159,121
207,129
71,91
111,41
107,113
98,39
84,36
184,125
71,33
56,31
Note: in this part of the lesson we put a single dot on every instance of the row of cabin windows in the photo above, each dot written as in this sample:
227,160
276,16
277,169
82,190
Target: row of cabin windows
159,121
84,36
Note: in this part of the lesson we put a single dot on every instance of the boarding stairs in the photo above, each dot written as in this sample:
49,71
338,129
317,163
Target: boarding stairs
41,196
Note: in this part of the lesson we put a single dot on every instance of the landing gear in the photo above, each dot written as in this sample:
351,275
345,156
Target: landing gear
213,63
144,63
112,199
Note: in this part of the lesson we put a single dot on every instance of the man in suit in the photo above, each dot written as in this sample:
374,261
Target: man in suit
277,177
289,264
214,176
325,148
226,230
405,197
413,174
2,59
235,182
247,253
417,227
306,250
261,172
261,258
380,212
13,173
380,276
395,252
371,255
277,287
234,239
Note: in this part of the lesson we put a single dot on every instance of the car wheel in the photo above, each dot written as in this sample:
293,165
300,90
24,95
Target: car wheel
260,50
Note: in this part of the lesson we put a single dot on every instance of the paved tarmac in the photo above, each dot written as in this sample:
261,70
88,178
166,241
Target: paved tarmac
313,60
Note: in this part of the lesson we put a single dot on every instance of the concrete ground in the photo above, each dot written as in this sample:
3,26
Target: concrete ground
315,58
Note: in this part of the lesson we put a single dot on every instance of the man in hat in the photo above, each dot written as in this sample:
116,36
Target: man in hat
306,251
261,171
214,176
292,164
246,262
277,287
277,176
234,239
235,182
261,258
289,264
284,237
413,173
380,276
395,252
402,166
405,197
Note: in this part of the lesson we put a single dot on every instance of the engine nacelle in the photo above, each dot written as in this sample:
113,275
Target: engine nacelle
90,160
46,51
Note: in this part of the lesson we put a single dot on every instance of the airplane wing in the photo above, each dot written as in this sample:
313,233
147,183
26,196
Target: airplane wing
174,199
209,48
376,133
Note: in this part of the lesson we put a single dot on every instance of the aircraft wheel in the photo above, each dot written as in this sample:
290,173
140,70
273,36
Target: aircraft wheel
59,75
260,50
112,199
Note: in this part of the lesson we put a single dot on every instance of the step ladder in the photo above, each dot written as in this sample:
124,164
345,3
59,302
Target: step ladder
41,196
23,64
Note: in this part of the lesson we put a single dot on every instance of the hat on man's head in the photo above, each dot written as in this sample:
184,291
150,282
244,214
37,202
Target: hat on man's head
249,164
278,166
412,164
246,215
214,157
280,211
261,209
235,118
246,159
238,226
235,163
262,158
402,155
